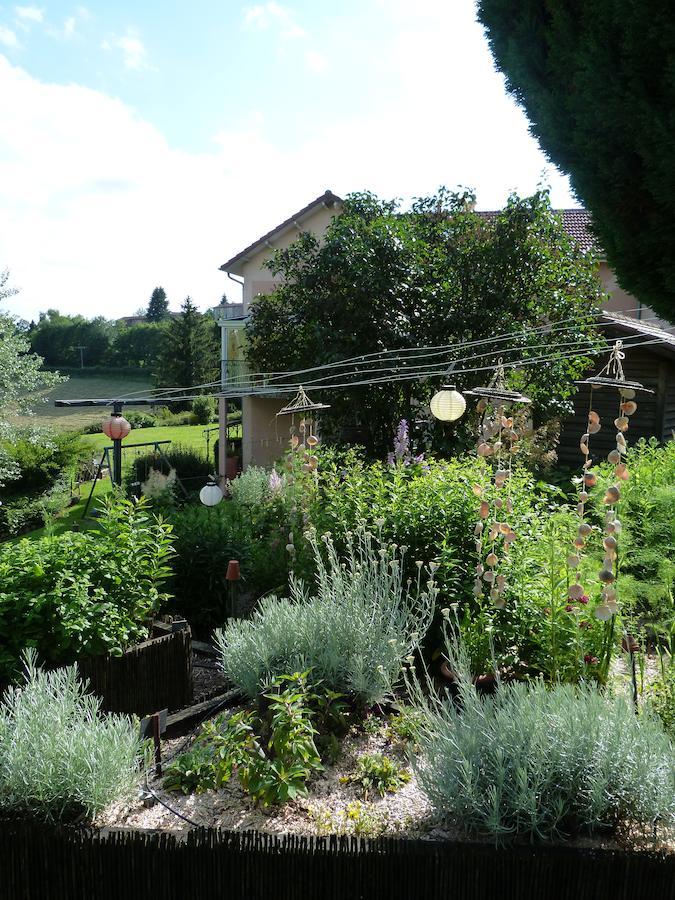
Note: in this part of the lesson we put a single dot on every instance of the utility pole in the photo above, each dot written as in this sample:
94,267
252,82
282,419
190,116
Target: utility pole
81,349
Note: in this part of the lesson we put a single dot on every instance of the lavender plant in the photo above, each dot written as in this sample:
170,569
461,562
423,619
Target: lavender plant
353,629
60,758
540,762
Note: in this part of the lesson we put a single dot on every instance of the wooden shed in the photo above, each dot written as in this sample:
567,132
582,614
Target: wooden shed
652,362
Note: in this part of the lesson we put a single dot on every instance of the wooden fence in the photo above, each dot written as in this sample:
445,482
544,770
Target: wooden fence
151,676
45,863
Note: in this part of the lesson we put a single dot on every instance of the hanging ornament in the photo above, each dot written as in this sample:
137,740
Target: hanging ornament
610,376
303,443
497,443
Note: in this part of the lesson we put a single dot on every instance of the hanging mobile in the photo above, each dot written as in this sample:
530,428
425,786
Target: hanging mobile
610,376
498,437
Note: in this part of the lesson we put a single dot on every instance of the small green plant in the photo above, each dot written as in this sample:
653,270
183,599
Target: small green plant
660,699
60,757
357,818
273,755
405,724
292,753
379,773
221,745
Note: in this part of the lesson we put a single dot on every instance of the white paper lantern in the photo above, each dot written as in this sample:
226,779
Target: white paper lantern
210,494
447,405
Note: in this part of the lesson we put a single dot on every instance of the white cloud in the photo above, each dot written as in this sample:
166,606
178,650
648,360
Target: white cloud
273,15
29,13
315,62
96,208
7,37
134,53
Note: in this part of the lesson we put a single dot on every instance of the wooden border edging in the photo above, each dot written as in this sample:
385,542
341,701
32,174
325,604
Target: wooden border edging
51,863
153,675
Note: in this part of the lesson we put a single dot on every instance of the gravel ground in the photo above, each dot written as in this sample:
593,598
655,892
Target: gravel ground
331,807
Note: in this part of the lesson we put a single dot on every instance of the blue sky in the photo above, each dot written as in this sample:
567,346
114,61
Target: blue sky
145,143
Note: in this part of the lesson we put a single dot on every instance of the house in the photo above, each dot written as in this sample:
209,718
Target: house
264,438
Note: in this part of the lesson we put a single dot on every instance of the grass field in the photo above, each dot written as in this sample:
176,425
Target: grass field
85,387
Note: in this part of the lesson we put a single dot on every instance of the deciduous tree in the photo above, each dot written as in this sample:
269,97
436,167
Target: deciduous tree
438,274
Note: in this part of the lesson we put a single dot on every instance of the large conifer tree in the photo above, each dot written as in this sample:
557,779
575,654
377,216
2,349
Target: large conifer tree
597,81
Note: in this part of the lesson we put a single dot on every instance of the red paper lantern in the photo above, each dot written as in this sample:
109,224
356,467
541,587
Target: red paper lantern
233,573
116,428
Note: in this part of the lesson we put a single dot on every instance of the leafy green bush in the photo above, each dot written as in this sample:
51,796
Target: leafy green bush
379,773
43,456
140,419
205,540
59,757
83,593
354,629
541,762
21,514
189,465
251,490
203,409
646,586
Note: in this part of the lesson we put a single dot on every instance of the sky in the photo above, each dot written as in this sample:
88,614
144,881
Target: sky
144,143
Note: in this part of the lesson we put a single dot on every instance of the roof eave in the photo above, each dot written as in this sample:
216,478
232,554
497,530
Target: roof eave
234,265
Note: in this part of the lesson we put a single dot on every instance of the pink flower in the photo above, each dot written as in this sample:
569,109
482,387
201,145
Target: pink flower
569,608
583,599
591,660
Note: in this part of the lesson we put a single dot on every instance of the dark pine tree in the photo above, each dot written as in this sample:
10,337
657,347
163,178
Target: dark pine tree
158,307
597,81
190,355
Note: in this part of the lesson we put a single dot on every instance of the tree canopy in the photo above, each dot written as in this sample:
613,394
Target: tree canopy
22,378
438,274
597,81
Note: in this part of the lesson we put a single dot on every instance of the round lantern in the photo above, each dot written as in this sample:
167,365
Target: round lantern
447,405
116,427
210,494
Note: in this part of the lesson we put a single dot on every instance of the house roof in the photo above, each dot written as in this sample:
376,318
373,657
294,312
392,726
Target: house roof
328,198
576,223
632,327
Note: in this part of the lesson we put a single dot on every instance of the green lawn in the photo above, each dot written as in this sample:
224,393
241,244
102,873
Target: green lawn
191,436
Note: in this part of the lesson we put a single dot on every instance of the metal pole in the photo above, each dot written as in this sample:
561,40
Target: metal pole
222,408
117,451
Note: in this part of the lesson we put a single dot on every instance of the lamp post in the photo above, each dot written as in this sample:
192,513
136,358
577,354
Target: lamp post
116,428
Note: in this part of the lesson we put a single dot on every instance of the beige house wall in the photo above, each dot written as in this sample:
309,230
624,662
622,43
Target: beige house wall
621,301
257,278
264,437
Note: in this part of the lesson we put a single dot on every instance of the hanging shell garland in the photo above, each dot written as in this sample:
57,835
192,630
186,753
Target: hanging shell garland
611,375
498,436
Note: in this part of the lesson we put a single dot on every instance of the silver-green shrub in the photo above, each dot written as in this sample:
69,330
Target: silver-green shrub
251,488
541,762
60,758
353,629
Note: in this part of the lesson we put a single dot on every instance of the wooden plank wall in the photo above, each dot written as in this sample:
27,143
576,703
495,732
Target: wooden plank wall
639,365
